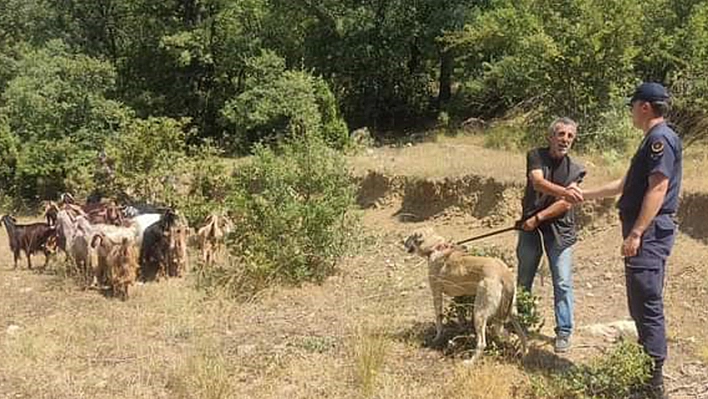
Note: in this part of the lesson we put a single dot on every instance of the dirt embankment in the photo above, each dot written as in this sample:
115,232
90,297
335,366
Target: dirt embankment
494,202
693,215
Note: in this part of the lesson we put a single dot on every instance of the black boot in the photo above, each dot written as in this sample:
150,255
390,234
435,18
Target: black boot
656,385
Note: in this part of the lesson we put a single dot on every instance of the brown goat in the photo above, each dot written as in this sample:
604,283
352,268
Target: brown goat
177,254
30,238
211,237
117,264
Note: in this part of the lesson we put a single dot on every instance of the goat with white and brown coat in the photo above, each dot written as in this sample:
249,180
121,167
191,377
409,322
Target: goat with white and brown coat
30,238
75,233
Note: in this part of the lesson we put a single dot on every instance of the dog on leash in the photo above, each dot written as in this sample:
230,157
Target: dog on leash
455,273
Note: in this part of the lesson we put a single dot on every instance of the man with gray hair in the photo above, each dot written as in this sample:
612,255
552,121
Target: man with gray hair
549,221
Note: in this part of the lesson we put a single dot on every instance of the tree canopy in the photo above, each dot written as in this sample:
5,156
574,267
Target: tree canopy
76,74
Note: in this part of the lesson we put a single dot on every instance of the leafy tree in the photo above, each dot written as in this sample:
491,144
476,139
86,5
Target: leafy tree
278,103
147,154
57,114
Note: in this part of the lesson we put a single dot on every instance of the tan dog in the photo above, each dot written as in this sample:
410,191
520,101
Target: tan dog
453,272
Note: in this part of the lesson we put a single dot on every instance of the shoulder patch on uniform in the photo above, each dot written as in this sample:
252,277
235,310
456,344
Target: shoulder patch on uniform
657,147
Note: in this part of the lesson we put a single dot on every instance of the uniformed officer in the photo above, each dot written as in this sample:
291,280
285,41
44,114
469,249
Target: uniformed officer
649,201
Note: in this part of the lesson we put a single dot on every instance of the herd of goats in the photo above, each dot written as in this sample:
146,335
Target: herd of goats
110,247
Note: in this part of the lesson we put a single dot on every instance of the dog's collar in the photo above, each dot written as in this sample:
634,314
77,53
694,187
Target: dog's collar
442,246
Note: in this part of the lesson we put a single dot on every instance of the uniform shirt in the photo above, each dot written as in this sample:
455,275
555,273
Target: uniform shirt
562,172
659,152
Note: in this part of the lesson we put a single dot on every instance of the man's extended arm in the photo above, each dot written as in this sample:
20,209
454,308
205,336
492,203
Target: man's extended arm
556,209
611,189
544,186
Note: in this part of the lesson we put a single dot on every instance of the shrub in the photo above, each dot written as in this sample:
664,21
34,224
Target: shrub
505,137
624,370
293,208
209,185
8,158
527,306
148,157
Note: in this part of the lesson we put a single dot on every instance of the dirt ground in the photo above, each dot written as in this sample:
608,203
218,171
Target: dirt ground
362,333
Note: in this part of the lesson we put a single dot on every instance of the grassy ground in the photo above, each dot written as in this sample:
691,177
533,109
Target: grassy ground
362,333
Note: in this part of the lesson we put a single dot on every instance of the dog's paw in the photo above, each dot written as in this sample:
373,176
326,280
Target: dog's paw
471,361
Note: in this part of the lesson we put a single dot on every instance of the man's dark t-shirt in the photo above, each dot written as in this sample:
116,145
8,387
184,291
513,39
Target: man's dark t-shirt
562,172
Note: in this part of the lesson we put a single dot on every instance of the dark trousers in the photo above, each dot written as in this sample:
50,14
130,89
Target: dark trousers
644,275
646,306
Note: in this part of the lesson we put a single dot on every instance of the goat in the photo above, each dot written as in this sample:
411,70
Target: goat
83,255
156,247
95,210
51,209
211,237
117,263
29,238
143,222
177,254
101,213
76,233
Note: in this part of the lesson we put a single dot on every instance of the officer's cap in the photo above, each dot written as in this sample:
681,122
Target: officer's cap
649,92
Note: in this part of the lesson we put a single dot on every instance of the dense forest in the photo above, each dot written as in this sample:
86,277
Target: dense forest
79,78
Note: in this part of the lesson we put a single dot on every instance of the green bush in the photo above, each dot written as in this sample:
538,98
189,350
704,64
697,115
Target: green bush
613,133
209,185
624,370
278,104
555,58
293,209
45,168
149,159
8,158
56,105
527,306
505,137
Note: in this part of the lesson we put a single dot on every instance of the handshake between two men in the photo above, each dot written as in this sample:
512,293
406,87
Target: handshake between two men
567,197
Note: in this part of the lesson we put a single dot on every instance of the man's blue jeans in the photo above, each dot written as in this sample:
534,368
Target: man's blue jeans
529,251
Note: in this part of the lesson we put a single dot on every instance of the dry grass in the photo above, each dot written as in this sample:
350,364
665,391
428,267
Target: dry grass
360,334
486,380
451,157
369,354
703,353
204,375
466,155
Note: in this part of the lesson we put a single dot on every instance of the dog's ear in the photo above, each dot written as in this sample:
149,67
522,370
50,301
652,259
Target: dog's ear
411,239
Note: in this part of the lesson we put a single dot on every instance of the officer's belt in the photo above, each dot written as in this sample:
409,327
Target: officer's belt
627,215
